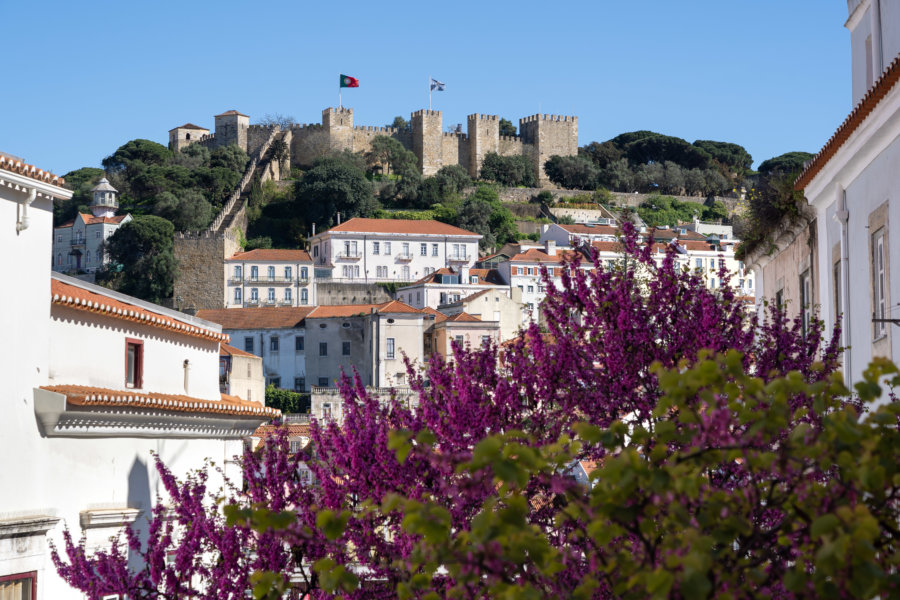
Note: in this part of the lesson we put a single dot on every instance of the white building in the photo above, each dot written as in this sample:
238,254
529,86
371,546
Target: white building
372,250
450,285
852,185
267,277
77,244
93,382
501,305
277,335
566,235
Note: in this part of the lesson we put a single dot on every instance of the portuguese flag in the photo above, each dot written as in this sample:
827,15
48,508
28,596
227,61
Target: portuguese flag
347,81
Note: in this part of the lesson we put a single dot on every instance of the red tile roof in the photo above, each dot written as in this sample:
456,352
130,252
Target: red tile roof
232,351
228,113
670,234
535,255
351,310
92,220
439,317
293,430
619,247
78,298
464,317
15,165
81,395
856,117
407,226
695,245
265,317
582,229
267,255
485,276
189,126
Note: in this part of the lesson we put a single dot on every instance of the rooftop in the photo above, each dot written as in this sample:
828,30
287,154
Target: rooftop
273,255
17,165
190,126
539,256
404,226
351,310
226,350
231,112
265,317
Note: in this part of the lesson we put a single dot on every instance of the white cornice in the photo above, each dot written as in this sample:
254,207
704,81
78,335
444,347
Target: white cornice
108,517
60,419
857,15
27,526
21,183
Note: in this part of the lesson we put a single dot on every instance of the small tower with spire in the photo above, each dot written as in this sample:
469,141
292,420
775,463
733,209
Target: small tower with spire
105,203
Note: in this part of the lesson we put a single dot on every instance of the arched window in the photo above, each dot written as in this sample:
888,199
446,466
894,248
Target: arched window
87,258
187,136
59,259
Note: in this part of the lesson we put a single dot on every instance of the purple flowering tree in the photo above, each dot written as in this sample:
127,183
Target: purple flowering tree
392,478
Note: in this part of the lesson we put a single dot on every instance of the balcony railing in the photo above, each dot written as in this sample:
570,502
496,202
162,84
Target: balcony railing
351,255
404,256
270,301
296,418
235,279
78,241
459,258
303,280
253,302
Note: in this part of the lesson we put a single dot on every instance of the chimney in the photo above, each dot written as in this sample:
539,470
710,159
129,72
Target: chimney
550,247
339,218
314,230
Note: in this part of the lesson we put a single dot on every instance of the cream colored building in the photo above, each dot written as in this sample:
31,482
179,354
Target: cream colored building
241,374
467,331
492,305
450,285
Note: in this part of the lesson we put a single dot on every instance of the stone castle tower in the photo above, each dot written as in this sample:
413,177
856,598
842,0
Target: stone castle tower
540,137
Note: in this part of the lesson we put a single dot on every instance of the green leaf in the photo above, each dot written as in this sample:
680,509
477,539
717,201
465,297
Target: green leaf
824,525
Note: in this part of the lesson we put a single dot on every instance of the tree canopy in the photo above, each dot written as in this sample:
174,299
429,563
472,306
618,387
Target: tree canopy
507,128
334,184
510,171
785,164
141,259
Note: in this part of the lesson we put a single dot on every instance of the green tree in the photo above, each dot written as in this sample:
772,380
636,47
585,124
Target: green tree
141,151
400,124
142,262
482,212
80,181
231,157
188,210
572,172
785,164
507,128
733,156
601,154
510,171
335,184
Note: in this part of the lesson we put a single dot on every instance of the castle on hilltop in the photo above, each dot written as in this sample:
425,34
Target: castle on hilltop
540,137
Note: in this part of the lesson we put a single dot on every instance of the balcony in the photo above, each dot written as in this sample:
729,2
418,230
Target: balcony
459,258
303,280
274,279
236,280
351,255
404,256
80,241
252,302
270,302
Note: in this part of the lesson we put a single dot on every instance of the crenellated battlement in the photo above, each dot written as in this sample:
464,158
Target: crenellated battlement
481,117
539,117
426,112
454,134
510,138
340,110
298,126
375,129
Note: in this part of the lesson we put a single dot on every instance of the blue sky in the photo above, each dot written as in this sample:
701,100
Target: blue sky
771,75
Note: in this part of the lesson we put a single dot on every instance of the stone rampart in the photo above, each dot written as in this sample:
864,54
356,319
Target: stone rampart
201,276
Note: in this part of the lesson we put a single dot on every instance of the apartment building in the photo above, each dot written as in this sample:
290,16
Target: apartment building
466,330
266,277
373,250
501,305
450,285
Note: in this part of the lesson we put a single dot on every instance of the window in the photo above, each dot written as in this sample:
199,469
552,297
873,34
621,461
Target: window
530,289
299,384
134,363
273,343
304,296
254,294
878,283
805,301
87,258
418,296
550,271
288,274
387,248
248,344
59,238
459,340
59,258
836,274
345,348
485,339
304,273
404,273
530,270
237,295
19,587
473,279
423,249
323,348
299,343
443,298
750,284
779,299
326,406
237,272
288,296
270,273
315,251
254,273
271,295
698,264
434,249
721,263
276,381
390,347
376,247
323,382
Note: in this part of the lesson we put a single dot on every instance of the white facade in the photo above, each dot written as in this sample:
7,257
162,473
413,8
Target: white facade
269,278
446,286
566,235
874,41
77,246
372,250
69,461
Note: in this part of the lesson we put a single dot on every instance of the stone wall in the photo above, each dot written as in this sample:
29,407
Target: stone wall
512,146
350,293
549,135
201,279
256,137
484,137
428,140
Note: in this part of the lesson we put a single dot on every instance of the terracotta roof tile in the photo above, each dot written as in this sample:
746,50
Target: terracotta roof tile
408,226
439,317
232,351
265,317
535,255
92,220
14,165
81,395
856,117
78,298
351,310
189,126
670,234
464,317
228,113
265,255
293,430
695,245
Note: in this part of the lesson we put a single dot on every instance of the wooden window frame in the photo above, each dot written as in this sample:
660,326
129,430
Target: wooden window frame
138,363
32,575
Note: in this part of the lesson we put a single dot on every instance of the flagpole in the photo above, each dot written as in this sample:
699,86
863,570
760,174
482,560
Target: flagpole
429,92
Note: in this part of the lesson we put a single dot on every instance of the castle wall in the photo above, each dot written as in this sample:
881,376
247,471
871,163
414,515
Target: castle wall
511,146
454,148
308,142
549,135
428,140
256,137
200,283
